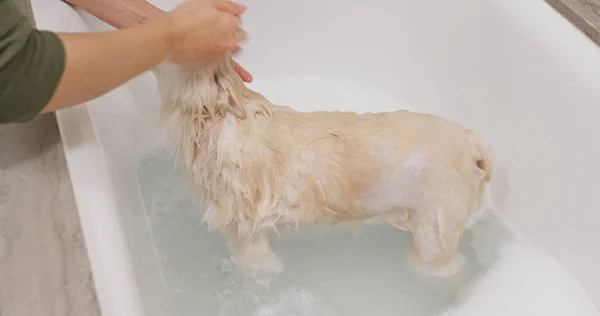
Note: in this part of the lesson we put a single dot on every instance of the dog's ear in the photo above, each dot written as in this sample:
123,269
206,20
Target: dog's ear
231,89
231,96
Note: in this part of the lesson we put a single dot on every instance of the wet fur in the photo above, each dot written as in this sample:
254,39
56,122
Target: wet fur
258,166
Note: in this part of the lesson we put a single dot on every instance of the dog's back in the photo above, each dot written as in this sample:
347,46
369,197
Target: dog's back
346,166
374,143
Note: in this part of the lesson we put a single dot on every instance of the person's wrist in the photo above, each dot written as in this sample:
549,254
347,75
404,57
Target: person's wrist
166,35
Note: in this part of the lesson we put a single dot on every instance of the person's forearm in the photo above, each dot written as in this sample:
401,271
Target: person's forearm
90,67
120,13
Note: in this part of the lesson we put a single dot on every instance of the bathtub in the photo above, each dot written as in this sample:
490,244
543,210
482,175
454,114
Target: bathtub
514,71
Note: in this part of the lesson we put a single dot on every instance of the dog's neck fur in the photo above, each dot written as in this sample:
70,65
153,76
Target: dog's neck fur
209,93
196,102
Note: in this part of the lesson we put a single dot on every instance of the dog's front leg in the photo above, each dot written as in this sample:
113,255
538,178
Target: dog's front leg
253,254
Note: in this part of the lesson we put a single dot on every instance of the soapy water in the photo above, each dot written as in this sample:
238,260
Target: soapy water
331,272
326,271
337,273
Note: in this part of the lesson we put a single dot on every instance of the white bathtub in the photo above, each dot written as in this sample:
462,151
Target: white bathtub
515,71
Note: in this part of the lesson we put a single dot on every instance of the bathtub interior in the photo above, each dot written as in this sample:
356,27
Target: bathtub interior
514,71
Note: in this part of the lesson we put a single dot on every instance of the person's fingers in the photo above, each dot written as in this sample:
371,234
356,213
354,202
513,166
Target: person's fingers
243,73
230,7
229,24
231,45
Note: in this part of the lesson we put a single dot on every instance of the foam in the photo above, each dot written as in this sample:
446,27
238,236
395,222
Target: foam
523,281
252,297
295,302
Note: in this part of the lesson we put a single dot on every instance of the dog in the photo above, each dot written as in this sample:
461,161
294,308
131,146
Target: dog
259,166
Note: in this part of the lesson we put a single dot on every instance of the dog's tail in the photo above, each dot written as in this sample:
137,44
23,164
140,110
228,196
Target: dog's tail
485,163
486,160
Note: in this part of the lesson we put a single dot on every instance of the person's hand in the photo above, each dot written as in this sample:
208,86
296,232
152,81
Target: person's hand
152,14
204,31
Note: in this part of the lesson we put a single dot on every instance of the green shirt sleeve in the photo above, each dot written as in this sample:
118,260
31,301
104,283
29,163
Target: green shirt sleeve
31,65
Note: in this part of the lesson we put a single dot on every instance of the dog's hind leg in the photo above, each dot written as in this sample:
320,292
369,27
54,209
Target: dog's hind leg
400,219
436,235
253,254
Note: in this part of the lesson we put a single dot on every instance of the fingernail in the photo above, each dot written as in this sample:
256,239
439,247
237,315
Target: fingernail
243,7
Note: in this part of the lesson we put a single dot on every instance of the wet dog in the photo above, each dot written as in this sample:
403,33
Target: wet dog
258,166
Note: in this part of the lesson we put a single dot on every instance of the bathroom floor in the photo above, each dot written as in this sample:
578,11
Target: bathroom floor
584,14
44,268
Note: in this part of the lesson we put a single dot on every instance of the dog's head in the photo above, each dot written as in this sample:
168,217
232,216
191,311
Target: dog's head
210,92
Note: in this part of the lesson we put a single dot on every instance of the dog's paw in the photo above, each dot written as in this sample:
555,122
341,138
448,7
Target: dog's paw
258,264
439,270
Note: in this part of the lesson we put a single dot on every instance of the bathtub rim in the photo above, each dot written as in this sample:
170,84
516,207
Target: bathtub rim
92,187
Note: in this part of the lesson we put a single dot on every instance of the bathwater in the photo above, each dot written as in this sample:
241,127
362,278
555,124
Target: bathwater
340,271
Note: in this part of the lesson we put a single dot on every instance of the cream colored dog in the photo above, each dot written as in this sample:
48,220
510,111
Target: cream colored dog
258,165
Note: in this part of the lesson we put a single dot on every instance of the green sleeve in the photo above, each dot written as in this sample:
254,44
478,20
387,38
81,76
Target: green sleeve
31,65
